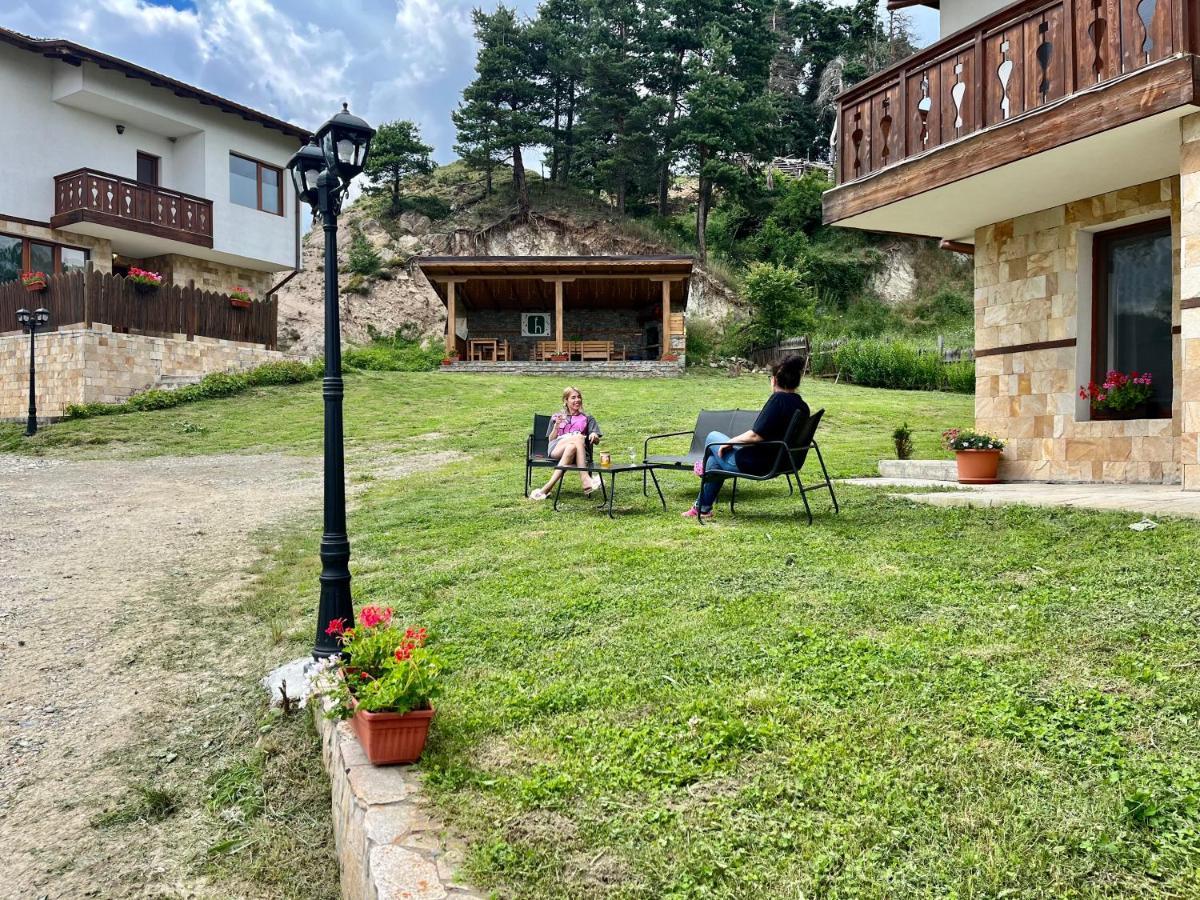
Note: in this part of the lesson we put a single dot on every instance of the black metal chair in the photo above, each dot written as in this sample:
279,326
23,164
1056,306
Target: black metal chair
537,452
792,453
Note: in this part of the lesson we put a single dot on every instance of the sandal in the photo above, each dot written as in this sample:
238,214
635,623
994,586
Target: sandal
537,494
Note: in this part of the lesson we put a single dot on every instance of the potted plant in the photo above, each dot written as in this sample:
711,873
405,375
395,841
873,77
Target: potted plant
902,438
450,358
1121,396
671,357
240,298
144,280
34,281
977,455
560,357
386,679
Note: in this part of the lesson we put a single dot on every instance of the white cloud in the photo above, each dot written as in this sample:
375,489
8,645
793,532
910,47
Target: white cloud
294,59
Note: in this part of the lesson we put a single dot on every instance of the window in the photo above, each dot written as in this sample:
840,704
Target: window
255,184
147,168
19,255
12,256
1131,312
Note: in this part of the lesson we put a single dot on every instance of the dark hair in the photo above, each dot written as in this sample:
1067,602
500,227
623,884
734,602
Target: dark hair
787,373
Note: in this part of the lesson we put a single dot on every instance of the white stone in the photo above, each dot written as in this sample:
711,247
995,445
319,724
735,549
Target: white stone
402,874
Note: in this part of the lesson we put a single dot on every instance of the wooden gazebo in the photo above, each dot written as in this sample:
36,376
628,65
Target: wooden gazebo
541,308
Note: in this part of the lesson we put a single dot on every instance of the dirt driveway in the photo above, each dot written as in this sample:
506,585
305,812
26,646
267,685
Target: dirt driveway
88,552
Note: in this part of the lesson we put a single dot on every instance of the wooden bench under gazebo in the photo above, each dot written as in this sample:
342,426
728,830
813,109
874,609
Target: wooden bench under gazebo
516,313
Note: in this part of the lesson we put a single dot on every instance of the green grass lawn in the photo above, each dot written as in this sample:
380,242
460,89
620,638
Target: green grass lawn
899,701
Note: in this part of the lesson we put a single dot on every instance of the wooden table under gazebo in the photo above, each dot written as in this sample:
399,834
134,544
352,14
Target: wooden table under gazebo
516,312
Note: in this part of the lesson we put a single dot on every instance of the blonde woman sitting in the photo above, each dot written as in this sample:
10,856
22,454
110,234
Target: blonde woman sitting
572,434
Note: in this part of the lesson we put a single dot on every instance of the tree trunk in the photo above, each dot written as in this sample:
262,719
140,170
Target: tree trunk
570,137
664,173
488,181
702,204
396,193
556,139
519,185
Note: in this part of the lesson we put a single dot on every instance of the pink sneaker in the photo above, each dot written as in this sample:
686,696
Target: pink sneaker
694,513
698,468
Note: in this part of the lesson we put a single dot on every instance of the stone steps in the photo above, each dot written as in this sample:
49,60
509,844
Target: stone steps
638,369
921,469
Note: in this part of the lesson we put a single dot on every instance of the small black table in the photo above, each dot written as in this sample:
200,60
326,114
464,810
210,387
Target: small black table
611,471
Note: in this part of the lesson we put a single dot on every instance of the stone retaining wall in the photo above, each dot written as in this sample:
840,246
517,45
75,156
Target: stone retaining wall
388,848
93,365
643,369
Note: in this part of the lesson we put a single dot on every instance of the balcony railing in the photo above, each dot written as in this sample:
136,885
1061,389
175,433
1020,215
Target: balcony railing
87,195
1022,59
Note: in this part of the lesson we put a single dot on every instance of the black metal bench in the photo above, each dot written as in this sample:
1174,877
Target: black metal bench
792,452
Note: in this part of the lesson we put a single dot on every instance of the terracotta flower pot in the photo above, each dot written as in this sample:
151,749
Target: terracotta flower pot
446,361
560,357
238,303
35,286
391,739
977,466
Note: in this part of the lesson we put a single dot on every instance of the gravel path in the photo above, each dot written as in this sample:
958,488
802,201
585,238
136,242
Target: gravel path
88,551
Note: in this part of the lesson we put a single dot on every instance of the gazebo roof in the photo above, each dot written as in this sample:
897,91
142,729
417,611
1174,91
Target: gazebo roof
527,282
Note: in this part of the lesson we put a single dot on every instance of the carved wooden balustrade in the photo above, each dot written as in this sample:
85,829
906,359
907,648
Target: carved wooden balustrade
1021,59
87,195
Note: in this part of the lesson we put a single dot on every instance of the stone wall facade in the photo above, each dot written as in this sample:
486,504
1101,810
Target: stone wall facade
93,365
1187,390
1033,286
209,275
99,250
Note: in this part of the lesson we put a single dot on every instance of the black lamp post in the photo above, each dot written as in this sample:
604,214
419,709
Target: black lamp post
321,172
31,322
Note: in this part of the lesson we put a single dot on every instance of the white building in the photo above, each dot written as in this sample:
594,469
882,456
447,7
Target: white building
130,167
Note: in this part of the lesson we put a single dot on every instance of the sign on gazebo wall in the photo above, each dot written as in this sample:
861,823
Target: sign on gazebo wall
535,325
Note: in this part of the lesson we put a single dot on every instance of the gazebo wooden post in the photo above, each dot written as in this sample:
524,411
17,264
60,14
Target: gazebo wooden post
666,318
558,316
451,318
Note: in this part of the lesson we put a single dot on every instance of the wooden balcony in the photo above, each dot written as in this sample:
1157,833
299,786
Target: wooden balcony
98,198
1031,77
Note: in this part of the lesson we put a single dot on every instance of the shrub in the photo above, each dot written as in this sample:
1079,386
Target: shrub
783,306
902,438
433,208
356,284
211,387
363,258
396,355
898,364
701,341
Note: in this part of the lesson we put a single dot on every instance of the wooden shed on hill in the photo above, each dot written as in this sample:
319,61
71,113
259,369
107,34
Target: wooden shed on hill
542,309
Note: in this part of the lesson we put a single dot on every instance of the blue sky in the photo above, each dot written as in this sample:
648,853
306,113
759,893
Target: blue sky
296,59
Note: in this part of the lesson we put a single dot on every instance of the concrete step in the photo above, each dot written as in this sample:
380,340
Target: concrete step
639,369
922,469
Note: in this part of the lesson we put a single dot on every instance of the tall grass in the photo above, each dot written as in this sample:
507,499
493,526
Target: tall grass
895,364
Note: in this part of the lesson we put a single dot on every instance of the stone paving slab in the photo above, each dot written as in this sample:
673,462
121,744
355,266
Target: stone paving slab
1137,499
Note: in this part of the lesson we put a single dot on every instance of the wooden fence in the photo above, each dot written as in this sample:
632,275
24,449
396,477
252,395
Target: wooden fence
91,296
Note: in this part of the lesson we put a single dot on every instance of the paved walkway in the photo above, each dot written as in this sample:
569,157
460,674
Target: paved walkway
1140,499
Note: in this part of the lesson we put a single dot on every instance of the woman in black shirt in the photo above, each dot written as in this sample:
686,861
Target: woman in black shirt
771,425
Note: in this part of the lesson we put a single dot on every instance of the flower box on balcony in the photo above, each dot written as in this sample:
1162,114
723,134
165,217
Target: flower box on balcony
34,281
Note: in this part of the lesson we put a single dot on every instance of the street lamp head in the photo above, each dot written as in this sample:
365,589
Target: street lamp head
306,165
43,315
23,316
345,140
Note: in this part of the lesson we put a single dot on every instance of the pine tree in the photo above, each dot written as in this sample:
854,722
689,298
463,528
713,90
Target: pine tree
562,31
509,88
729,110
617,111
475,125
397,153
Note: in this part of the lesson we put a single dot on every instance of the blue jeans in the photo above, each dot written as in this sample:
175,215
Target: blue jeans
727,463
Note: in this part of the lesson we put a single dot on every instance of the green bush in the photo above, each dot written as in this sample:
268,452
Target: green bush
899,364
363,258
702,340
356,284
213,386
431,207
783,305
395,355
